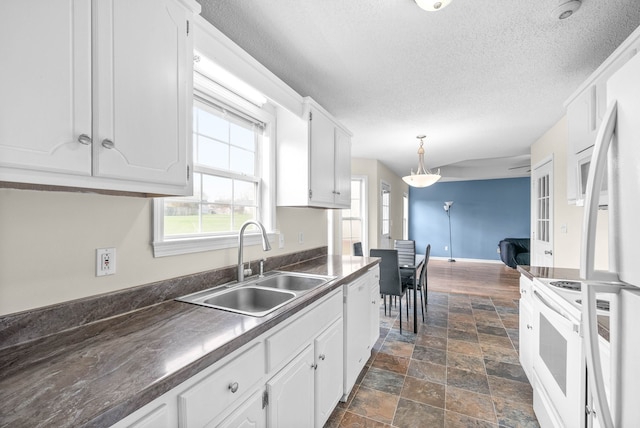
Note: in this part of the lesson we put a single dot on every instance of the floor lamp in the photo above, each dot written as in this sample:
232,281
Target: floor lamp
447,208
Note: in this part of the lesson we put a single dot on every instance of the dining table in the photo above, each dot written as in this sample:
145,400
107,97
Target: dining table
415,267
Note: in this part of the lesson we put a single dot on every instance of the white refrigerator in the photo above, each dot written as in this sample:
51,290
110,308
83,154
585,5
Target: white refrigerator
616,402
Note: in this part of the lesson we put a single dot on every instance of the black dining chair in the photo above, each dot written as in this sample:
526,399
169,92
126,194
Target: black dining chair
357,249
423,280
390,282
406,257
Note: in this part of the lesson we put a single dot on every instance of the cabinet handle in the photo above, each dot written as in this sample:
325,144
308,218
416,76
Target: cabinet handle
322,357
373,301
548,252
523,291
529,326
233,387
108,144
314,366
84,139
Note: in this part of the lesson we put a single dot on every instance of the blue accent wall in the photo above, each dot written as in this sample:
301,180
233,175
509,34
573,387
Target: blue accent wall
483,213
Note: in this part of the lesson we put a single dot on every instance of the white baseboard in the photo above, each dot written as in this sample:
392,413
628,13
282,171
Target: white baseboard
467,260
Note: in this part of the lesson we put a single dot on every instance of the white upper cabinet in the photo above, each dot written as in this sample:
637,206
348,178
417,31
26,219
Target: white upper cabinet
585,110
45,82
314,159
99,94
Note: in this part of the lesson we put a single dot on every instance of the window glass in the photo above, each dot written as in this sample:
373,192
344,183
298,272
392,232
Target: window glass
226,186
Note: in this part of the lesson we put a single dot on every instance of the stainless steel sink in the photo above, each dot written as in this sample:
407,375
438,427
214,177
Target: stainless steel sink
250,300
257,296
292,282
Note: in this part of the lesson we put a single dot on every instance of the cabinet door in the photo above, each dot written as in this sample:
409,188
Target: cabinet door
45,82
321,141
582,121
141,76
374,309
250,414
291,393
329,357
342,173
357,347
526,337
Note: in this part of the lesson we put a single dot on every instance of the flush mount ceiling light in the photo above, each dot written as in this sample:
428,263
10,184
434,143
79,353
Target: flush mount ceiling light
565,9
432,5
423,177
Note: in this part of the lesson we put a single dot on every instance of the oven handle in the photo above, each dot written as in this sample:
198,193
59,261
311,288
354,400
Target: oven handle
552,307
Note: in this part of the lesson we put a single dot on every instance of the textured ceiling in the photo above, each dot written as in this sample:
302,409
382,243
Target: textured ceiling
482,79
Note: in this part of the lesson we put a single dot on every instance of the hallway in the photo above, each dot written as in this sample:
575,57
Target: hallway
460,370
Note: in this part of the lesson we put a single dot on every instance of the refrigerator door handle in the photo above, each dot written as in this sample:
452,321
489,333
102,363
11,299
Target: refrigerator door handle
592,194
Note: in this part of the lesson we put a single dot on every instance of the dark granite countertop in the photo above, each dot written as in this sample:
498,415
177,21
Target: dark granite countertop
96,374
549,272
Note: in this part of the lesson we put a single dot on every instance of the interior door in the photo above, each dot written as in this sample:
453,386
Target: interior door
542,214
385,215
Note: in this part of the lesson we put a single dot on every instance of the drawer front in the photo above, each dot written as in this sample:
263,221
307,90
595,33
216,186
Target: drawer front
211,396
288,340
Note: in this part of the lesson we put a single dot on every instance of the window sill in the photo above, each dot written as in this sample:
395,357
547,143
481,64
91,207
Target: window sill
175,247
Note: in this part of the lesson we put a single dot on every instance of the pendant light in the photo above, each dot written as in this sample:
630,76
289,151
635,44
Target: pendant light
423,177
432,5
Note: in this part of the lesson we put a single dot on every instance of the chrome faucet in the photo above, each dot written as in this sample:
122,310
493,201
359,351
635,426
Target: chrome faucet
265,244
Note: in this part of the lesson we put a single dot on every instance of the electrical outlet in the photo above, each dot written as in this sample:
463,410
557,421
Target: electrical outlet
281,241
300,238
105,261
446,248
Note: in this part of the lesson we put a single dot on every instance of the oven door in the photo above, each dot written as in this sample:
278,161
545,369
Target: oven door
558,365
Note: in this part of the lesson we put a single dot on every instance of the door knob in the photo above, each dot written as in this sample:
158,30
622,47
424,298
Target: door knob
549,252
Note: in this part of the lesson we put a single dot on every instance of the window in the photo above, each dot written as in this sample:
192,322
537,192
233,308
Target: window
405,216
353,219
232,156
385,198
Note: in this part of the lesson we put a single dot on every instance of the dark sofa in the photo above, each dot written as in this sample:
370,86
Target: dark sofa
514,251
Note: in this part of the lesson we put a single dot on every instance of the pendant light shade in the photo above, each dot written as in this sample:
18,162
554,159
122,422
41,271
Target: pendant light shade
432,5
423,177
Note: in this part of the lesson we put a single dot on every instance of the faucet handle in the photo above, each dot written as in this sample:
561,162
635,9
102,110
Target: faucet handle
248,272
261,274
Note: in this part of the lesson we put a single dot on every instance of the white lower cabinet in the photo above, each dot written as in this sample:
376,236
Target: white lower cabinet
291,393
359,335
290,376
526,336
250,414
329,360
202,403
374,316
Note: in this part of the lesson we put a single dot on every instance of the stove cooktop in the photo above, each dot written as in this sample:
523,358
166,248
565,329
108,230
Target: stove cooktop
567,285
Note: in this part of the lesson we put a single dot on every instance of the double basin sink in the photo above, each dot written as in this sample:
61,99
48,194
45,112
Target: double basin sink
258,296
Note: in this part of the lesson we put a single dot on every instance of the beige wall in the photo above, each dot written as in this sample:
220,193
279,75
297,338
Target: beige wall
376,172
566,245
48,242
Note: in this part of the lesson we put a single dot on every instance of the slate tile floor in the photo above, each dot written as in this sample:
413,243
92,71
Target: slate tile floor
460,370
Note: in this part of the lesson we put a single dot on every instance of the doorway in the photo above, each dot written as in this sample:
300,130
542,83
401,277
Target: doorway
542,213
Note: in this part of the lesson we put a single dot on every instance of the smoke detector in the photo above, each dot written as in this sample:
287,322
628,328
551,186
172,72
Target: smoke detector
565,9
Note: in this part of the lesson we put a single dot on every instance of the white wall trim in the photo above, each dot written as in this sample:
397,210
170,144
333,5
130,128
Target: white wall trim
212,43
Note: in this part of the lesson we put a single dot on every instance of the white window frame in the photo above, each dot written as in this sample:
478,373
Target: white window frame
364,186
209,90
405,215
